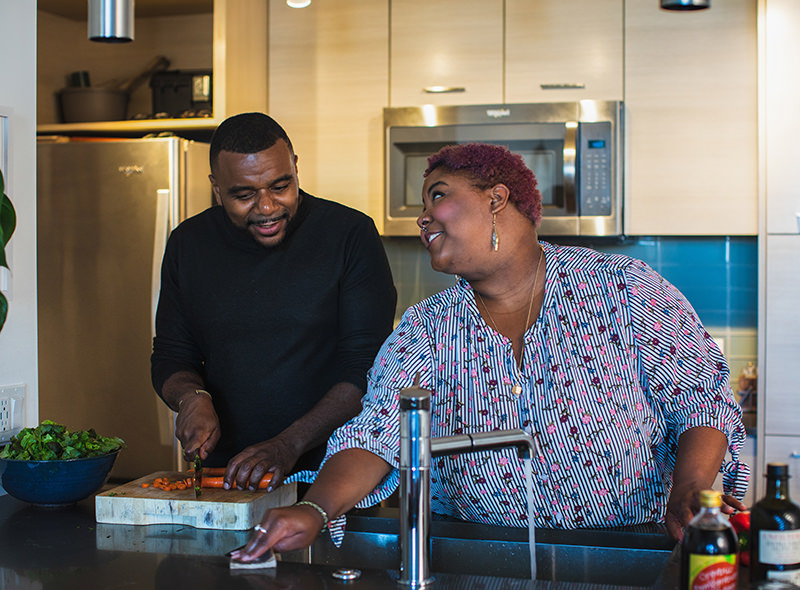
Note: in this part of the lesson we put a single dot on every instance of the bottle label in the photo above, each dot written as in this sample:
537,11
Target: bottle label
712,572
779,547
792,576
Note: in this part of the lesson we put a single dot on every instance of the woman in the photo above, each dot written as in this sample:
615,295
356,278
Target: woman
596,355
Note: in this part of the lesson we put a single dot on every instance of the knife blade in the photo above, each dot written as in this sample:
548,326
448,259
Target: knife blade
197,476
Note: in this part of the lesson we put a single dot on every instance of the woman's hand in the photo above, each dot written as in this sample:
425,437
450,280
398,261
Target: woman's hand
731,505
282,529
700,453
683,504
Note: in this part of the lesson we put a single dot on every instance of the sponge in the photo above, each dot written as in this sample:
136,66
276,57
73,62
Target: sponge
265,561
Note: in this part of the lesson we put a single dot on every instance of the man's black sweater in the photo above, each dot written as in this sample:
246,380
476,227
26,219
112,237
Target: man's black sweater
271,330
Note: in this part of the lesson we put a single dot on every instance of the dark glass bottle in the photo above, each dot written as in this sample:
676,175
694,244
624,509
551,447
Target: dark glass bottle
709,548
775,531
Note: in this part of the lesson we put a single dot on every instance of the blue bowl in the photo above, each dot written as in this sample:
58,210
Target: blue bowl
56,483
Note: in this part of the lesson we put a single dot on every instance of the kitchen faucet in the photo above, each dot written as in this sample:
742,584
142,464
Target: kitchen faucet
416,450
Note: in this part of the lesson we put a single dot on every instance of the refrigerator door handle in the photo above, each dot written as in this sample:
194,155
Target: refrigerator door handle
166,418
159,244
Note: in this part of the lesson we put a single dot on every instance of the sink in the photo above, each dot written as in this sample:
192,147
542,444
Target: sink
631,556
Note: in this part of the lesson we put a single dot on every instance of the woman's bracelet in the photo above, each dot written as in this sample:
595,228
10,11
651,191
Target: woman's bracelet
318,508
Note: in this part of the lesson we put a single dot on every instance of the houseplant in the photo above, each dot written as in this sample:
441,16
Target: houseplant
8,221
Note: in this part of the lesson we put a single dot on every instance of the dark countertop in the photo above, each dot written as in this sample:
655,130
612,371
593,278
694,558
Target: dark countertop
65,548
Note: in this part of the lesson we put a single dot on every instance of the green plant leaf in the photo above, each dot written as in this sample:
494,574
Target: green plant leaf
8,221
3,310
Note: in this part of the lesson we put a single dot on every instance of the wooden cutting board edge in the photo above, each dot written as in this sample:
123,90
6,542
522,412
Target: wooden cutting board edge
215,509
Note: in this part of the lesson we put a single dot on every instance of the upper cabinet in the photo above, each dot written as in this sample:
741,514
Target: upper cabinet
328,76
232,42
691,105
447,52
452,52
781,115
563,51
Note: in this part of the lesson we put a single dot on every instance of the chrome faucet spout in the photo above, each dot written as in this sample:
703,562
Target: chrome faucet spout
416,450
484,441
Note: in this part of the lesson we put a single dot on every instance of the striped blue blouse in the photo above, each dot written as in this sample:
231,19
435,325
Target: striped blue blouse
615,368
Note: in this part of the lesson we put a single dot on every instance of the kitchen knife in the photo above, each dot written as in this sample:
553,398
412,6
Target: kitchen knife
197,477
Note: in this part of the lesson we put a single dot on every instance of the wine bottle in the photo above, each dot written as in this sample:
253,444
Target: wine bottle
775,531
709,548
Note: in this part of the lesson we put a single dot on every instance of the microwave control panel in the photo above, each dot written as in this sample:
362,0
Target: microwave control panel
595,168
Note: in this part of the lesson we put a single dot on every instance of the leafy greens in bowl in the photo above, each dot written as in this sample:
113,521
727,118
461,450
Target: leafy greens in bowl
51,466
53,442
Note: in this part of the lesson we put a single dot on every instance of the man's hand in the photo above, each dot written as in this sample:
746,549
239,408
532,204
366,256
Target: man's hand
277,456
197,426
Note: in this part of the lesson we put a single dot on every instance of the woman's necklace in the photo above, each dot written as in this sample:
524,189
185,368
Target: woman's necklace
517,388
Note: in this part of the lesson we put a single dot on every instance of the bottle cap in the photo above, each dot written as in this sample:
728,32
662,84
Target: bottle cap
710,498
777,470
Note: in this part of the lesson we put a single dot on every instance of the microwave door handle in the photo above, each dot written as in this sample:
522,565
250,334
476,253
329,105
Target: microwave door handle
570,154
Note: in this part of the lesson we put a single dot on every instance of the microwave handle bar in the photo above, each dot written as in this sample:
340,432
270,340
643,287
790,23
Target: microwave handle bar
570,152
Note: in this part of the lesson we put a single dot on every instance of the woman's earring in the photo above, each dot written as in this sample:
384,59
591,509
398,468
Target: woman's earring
495,237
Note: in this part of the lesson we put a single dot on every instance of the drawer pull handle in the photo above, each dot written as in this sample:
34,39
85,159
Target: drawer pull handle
567,86
443,89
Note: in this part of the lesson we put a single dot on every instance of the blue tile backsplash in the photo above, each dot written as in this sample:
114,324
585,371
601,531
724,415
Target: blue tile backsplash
718,275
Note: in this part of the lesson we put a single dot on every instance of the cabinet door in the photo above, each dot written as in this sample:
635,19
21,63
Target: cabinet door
563,51
691,123
783,449
449,44
782,117
328,84
781,363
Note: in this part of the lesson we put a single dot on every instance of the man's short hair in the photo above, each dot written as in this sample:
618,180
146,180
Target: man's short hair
247,133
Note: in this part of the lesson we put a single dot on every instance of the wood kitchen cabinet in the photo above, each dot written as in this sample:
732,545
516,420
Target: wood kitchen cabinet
448,44
691,120
779,253
234,47
328,79
563,51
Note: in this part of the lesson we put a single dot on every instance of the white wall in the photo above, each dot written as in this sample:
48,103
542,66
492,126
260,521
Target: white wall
18,338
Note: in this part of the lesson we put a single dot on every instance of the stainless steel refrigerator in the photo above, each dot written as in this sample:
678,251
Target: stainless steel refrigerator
104,211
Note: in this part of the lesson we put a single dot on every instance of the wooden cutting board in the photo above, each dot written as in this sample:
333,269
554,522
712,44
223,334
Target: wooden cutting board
214,509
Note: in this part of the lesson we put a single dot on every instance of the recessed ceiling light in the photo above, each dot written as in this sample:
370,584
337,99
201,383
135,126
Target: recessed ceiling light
298,3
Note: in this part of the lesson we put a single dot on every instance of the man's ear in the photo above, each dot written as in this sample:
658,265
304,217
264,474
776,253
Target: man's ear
499,194
215,189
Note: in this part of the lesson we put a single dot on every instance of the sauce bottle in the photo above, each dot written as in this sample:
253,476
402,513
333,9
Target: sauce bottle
775,531
709,548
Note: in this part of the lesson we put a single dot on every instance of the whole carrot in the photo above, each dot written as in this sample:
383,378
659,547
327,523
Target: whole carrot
218,482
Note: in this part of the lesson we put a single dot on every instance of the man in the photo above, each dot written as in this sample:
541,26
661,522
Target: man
272,308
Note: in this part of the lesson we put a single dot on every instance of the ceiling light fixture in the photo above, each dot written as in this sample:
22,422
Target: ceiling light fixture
111,21
685,4
298,3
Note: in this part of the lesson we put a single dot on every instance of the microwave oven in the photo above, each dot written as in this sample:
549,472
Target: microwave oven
575,150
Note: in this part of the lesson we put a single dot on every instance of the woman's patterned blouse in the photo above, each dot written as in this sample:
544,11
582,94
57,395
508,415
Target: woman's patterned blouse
615,369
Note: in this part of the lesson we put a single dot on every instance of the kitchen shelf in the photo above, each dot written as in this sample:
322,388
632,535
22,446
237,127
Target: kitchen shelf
139,127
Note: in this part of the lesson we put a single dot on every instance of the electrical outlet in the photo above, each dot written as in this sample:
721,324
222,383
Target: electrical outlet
12,403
